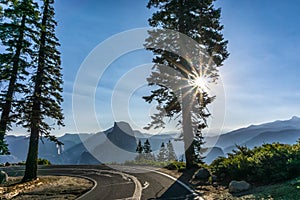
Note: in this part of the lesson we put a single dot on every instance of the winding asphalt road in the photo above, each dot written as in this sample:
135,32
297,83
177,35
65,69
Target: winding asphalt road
120,182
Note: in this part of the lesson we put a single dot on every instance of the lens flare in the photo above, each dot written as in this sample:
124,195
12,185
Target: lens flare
200,83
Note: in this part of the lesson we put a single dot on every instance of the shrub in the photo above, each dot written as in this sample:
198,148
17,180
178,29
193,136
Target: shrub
176,166
42,161
265,164
145,162
21,163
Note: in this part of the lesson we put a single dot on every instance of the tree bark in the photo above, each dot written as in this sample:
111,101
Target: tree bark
188,135
35,118
32,157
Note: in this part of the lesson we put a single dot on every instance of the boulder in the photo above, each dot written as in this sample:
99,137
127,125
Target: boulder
202,174
214,178
238,186
3,177
171,166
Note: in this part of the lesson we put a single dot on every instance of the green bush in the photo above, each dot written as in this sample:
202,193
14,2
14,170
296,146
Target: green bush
145,162
42,161
21,163
171,165
265,164
175,165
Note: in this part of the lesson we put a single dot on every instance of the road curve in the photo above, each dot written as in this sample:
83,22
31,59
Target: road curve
160,185
121,182
109,184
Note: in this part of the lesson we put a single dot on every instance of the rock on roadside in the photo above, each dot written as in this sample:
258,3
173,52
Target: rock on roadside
202,174
238,186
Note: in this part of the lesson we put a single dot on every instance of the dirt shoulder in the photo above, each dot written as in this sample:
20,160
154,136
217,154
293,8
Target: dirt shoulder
285,190
46,187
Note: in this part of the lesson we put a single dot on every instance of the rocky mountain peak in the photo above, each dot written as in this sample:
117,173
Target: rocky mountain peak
122,136
123,127
295,118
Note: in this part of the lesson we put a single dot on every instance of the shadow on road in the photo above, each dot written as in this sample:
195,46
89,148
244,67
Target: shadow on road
175,191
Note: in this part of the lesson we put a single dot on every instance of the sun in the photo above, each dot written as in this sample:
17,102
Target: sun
200,83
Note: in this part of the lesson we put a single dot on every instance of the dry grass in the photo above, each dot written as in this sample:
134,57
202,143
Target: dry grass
46,187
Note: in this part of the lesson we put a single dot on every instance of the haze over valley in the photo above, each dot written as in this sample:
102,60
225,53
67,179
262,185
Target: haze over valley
118,144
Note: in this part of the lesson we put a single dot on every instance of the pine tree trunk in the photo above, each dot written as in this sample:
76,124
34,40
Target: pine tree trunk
11,88
188,136
32,157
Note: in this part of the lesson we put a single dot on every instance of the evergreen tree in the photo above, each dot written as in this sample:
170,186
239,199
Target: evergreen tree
148,151
200,21
17,30
140,151
147,147
163,153
139,148
171,153
1,12
45,99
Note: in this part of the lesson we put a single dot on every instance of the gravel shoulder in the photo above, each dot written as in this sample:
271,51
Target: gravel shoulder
45,187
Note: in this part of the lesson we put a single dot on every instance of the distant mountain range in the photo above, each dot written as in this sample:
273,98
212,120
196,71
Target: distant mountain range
118,143
285,131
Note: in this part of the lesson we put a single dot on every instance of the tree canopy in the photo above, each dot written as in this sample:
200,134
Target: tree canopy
189,47
30,74
17,30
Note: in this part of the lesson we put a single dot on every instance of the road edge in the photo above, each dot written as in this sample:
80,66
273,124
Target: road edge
90,190
176,180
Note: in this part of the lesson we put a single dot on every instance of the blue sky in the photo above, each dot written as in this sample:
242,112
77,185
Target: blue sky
262,71
260,78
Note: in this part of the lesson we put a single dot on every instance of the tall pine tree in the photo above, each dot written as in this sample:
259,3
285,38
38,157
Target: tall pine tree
200,21
1,12
45,99
140,151
17,30
171,156
139,148
148,151
163,153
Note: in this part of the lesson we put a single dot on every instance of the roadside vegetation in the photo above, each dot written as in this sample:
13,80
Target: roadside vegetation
145,155
272,169
269,163
285,190
41,161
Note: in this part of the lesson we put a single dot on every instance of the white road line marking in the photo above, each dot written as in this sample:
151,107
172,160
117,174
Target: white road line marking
146,184
137,195
95,185
174,179
97,173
